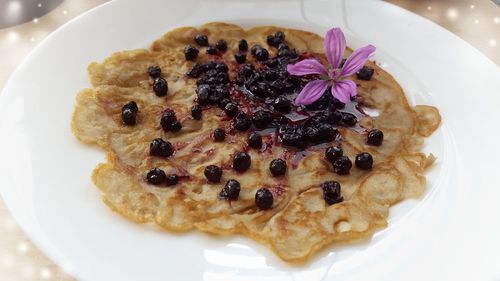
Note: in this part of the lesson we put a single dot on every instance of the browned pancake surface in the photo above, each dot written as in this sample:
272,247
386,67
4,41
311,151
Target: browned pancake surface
300,222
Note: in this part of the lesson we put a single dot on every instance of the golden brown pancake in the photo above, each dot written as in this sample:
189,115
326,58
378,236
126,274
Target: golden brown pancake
300,221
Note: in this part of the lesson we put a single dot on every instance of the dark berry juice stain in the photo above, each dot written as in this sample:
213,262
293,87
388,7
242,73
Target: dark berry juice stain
262,91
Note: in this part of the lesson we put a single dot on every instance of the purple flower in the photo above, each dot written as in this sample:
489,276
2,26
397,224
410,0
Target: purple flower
342,88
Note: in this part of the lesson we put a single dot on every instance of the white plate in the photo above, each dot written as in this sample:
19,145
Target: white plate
451,233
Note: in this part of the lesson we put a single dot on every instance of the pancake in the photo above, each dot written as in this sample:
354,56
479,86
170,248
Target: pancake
302,217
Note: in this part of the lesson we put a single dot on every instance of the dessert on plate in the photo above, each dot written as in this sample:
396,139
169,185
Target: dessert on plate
262,132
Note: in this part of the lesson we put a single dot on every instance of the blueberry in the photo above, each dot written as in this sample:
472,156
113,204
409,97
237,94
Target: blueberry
231,109
159,147
222,67
171,179
364,161
276,39
154,71
294,138
342,165
375,137
168,116
222,91
209,65
167,120
331,192
254,49
196,71
247,70
326,133
219,134
221,45
271,63
196,112
212,50
255,140
280,35
132,105
271,75
322,103
318,130
223,102
312,133
205,80
156,176
202,87
271,41
283,46
260,90
211,73
240,58
129,116
277,167
160,87
333,152
282,105
282,120
287,53
190,52
203,97
334,117
176,126
261,119
222,78
261,54
241,161
264,199
201,40
365,73
337,104
316,120
231,190
277,87
214,98
213,173
243,45
348,119
241,122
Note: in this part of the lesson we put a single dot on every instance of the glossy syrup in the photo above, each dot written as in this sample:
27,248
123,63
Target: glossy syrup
298,115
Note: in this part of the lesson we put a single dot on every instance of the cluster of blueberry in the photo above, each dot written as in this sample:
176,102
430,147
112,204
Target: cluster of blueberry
169,121
160,85
242,162
342,164
157,176
191,52
265,90
268,90
212,88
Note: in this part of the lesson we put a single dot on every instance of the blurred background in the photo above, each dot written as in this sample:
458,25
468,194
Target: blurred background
24,23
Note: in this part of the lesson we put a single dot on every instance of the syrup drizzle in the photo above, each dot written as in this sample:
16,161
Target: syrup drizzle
298,115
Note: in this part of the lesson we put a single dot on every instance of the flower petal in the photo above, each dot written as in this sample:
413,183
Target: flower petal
334,46
343,90
305,67
311,92
356,60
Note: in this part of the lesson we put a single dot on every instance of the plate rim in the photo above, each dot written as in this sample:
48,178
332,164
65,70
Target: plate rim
46,246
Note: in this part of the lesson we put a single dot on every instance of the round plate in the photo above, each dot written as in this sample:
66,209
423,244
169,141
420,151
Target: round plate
450,233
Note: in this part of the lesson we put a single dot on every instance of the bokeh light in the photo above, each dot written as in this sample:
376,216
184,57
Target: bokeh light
452,13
